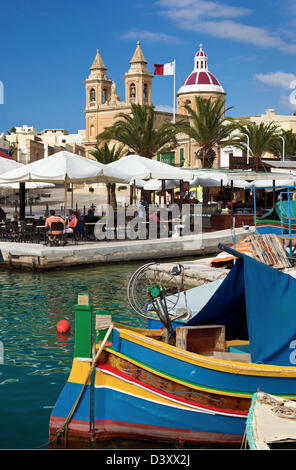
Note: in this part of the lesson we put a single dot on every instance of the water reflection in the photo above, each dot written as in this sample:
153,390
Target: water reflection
37,360
33,303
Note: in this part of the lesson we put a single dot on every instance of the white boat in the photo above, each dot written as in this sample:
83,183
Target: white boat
271,422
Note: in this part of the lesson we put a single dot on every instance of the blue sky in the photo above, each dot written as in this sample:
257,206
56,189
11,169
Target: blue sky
47,48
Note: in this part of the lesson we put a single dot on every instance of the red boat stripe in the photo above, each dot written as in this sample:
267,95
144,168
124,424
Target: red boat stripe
114,371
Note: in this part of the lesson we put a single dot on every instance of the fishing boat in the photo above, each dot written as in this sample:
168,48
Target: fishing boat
281,219
271,423
187,377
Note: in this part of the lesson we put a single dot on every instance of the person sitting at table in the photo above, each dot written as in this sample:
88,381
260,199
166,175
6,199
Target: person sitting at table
53,234
90,217
15,217
75,224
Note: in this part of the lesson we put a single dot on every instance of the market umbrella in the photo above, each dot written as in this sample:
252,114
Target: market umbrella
145,168
268,184
138,167
29,185
65,167
7,164
156,185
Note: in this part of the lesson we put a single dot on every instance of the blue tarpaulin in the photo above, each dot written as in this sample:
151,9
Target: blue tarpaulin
258,303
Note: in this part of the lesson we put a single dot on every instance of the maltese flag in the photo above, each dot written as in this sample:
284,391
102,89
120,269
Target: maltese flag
164,69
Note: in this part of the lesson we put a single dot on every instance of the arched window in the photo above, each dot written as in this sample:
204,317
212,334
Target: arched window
132,92
145,91
92,95
91,130
104,95
188,103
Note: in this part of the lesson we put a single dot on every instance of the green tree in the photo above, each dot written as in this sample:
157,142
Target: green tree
209,128
137,131
290,144
107,155
11,131
262,138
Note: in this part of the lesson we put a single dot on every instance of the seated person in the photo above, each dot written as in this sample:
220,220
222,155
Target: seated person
90,217
15,217
80,217
75,224
52,234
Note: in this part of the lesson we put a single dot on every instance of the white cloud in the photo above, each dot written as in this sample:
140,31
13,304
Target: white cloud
150,36
277,79
218,19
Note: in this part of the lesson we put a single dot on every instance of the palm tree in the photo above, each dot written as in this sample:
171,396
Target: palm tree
290,144
262,138
209,127
138,132
104,155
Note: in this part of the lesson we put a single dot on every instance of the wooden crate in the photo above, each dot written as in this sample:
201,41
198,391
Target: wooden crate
201,339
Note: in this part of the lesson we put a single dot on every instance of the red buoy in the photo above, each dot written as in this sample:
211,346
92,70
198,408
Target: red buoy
63,326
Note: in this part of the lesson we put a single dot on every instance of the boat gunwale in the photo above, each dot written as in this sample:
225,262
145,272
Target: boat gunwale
221,365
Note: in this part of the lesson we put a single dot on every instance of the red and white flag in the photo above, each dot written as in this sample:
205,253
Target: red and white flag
164,69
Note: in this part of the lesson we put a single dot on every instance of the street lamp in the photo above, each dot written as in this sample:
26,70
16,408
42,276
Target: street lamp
283,146
248,148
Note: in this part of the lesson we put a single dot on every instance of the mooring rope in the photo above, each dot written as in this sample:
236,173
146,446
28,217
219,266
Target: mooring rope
278,407
63,430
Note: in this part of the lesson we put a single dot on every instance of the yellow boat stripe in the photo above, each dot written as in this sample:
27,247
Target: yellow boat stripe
180,381
208,362
105,379
79,371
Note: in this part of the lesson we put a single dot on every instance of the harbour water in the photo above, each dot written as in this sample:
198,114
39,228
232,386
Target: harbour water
36,360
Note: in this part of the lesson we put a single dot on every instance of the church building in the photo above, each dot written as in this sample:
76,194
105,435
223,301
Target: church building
103,104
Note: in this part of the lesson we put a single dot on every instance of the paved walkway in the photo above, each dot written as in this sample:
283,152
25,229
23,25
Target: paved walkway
35,256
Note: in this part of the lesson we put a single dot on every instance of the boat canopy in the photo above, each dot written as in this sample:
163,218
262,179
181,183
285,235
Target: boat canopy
281,207
256,302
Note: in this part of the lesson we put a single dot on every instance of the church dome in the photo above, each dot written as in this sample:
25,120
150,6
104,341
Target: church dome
200,79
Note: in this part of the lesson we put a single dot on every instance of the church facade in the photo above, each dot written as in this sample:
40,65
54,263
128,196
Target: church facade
103,104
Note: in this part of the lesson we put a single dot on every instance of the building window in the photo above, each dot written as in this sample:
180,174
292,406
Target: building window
132,92
92,95
145,92
188,103
168,157
182,159
104,95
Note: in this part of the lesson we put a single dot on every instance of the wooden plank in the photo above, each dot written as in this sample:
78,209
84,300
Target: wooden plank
267,248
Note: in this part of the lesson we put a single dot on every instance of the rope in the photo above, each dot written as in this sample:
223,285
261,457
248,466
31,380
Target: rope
183,284
279,408
64,428
103,322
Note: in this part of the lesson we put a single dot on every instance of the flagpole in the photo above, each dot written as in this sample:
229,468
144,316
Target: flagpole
174,106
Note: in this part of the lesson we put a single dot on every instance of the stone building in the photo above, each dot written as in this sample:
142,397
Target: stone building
103,104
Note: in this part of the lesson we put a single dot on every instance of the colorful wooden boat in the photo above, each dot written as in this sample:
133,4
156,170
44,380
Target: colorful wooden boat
271,423
280,220
194,389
